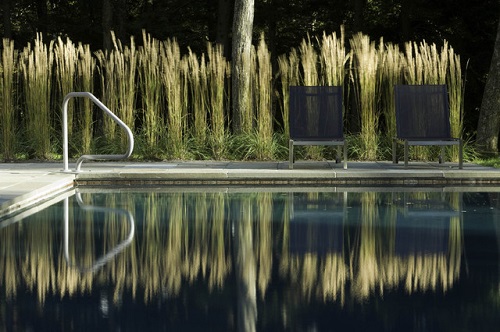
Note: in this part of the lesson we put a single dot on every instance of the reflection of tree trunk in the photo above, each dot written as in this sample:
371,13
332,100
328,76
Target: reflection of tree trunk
7,31
245,269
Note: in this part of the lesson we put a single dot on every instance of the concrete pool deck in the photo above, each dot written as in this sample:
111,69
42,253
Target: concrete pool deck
23,185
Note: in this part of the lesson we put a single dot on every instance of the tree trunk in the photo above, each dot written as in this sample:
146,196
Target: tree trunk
488,127
107,17
241,53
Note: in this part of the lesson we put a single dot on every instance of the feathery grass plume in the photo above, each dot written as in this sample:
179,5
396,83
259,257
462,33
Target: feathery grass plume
289,73
455,84
106,69
309,61
427,65
413,64
36,68
125,71
218,70
435,64
8,87
173,78
199,96
414,74
392,62
365,61
263,90
333,58
85,82
149,61
66,58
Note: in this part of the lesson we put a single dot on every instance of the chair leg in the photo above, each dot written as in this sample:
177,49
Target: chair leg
345,155
290,154
394,151
460,154
406,153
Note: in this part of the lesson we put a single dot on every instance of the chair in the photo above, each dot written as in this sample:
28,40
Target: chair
423,119
316,118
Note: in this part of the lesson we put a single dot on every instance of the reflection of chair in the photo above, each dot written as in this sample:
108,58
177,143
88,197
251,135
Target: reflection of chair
423,119
316,118
316,224
423,225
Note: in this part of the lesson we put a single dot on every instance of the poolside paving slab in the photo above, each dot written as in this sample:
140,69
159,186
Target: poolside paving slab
25,184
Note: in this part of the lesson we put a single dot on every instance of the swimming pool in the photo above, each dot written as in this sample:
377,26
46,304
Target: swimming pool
277,260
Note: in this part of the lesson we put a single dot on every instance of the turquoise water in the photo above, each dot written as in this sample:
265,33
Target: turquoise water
254,261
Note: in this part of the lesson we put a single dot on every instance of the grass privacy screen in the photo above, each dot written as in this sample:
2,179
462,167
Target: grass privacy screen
423,118
316,118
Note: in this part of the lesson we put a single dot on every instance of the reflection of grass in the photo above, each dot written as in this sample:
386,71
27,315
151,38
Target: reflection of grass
185,237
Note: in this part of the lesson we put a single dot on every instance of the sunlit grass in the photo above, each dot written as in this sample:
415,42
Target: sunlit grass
364,71
178,105
491,162
36,68
8,99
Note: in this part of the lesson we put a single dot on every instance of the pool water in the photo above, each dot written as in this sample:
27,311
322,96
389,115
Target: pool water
214,260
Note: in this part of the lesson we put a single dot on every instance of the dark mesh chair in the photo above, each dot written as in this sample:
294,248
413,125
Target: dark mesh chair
316,118
423,118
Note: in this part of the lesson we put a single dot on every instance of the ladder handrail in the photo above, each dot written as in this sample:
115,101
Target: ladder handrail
90,156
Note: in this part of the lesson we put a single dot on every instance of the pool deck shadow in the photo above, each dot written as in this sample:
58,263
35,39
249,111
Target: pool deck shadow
23,185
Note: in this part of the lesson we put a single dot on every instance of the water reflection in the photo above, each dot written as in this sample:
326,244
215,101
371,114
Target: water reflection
96,263
326,247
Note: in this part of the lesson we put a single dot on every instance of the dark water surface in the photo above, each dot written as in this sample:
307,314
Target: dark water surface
257,261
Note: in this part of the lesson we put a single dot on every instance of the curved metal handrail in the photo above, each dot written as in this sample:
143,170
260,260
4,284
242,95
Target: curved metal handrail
92,156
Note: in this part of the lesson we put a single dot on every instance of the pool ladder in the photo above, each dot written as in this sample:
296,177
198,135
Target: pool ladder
92,156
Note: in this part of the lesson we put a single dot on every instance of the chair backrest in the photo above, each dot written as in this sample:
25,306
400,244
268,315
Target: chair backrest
316,112
422,112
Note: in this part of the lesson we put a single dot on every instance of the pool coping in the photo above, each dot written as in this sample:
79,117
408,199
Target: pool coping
24,185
